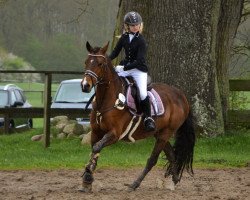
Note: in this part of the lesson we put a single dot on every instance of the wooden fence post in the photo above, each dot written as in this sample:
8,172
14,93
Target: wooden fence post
47,111
6,124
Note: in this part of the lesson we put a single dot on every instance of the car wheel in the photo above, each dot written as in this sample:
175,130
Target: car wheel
30,123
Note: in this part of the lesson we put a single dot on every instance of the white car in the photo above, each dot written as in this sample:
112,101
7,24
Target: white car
69,95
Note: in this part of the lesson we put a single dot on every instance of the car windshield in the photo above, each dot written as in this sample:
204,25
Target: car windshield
3,98
72,93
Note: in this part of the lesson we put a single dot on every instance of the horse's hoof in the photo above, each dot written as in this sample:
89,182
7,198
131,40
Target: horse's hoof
131,187
175,179
84,190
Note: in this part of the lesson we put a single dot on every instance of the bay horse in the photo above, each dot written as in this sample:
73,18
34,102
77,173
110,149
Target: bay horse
108,122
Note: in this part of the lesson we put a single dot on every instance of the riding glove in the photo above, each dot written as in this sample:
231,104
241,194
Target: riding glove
119,68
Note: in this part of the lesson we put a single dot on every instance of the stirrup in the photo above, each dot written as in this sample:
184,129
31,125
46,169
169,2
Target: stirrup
149,118
149,124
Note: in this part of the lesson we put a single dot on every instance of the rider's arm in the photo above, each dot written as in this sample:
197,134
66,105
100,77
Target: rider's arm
117,49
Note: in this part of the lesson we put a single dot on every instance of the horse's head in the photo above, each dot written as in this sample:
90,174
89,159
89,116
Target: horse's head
95,66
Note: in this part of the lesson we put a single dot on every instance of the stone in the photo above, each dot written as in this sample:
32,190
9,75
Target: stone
37,137
86,138
61,135
71,135
59,119
74,128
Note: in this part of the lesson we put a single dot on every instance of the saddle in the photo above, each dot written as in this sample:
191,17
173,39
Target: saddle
133,97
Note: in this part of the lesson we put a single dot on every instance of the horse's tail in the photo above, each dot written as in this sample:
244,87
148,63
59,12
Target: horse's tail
184,147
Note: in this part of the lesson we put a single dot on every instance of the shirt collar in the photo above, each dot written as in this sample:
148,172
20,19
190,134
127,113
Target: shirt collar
135,34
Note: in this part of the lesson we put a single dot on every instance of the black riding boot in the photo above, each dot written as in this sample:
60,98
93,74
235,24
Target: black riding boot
149,123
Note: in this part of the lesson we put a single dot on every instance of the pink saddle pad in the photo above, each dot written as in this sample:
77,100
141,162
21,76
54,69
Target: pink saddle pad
157,107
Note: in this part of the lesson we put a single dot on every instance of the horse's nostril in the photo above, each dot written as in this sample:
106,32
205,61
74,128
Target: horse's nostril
85,87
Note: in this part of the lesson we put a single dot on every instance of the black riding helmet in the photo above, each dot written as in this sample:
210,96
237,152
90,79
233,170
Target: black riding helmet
132,18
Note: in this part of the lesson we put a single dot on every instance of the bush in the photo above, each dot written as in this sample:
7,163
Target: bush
14,63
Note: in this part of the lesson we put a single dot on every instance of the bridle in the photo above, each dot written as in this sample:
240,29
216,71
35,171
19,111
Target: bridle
93,74
99,80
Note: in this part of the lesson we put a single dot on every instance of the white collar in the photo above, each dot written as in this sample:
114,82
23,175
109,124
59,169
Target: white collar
131,36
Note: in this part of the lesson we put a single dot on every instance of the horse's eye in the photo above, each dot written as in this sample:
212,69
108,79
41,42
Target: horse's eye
99,64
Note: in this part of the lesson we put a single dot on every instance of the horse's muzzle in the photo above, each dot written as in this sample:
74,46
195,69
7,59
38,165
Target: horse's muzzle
86,87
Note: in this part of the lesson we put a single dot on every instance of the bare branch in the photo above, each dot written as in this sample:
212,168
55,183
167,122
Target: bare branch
246,11
83,5
3,2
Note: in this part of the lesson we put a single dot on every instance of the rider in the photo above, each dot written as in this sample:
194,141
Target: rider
134,63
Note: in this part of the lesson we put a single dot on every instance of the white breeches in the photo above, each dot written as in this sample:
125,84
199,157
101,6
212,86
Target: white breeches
140,78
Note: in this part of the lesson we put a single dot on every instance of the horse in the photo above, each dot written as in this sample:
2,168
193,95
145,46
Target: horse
108,122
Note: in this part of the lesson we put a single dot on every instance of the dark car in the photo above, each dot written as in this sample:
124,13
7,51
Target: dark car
70,95
13,96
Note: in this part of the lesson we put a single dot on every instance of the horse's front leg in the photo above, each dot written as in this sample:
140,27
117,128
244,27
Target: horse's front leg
87,177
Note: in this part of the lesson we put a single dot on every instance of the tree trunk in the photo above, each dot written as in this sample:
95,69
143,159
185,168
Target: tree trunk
182,51
229,19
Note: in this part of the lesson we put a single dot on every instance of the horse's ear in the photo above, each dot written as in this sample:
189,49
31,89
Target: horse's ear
89,47
105,48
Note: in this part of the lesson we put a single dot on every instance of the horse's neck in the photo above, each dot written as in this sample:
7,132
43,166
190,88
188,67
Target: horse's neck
107,93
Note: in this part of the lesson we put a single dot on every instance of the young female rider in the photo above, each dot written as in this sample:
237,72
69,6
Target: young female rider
134,63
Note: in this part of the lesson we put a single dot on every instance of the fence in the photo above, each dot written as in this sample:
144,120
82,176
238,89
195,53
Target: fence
47,112
239,116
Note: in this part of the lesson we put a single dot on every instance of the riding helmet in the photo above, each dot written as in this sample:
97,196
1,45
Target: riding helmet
132,18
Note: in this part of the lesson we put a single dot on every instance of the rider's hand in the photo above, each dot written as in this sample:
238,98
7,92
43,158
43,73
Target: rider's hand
119,68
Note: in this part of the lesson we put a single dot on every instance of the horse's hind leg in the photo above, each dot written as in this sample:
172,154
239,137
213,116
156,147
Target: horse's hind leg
171,170
159,145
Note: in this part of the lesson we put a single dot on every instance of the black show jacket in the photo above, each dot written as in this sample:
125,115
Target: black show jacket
135,52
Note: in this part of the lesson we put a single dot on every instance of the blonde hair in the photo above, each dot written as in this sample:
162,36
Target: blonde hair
126,28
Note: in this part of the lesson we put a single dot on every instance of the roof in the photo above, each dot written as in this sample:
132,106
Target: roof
9,86
72,81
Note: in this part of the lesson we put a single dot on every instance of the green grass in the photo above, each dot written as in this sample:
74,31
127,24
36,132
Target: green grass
19,152
247,97
240,100
232,150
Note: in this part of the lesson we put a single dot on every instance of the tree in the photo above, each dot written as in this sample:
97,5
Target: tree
188,46
50,34
240,58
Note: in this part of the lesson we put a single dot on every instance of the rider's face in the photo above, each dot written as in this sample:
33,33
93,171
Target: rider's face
134,28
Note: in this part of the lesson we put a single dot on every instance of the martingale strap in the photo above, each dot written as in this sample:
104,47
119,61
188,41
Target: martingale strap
131,128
